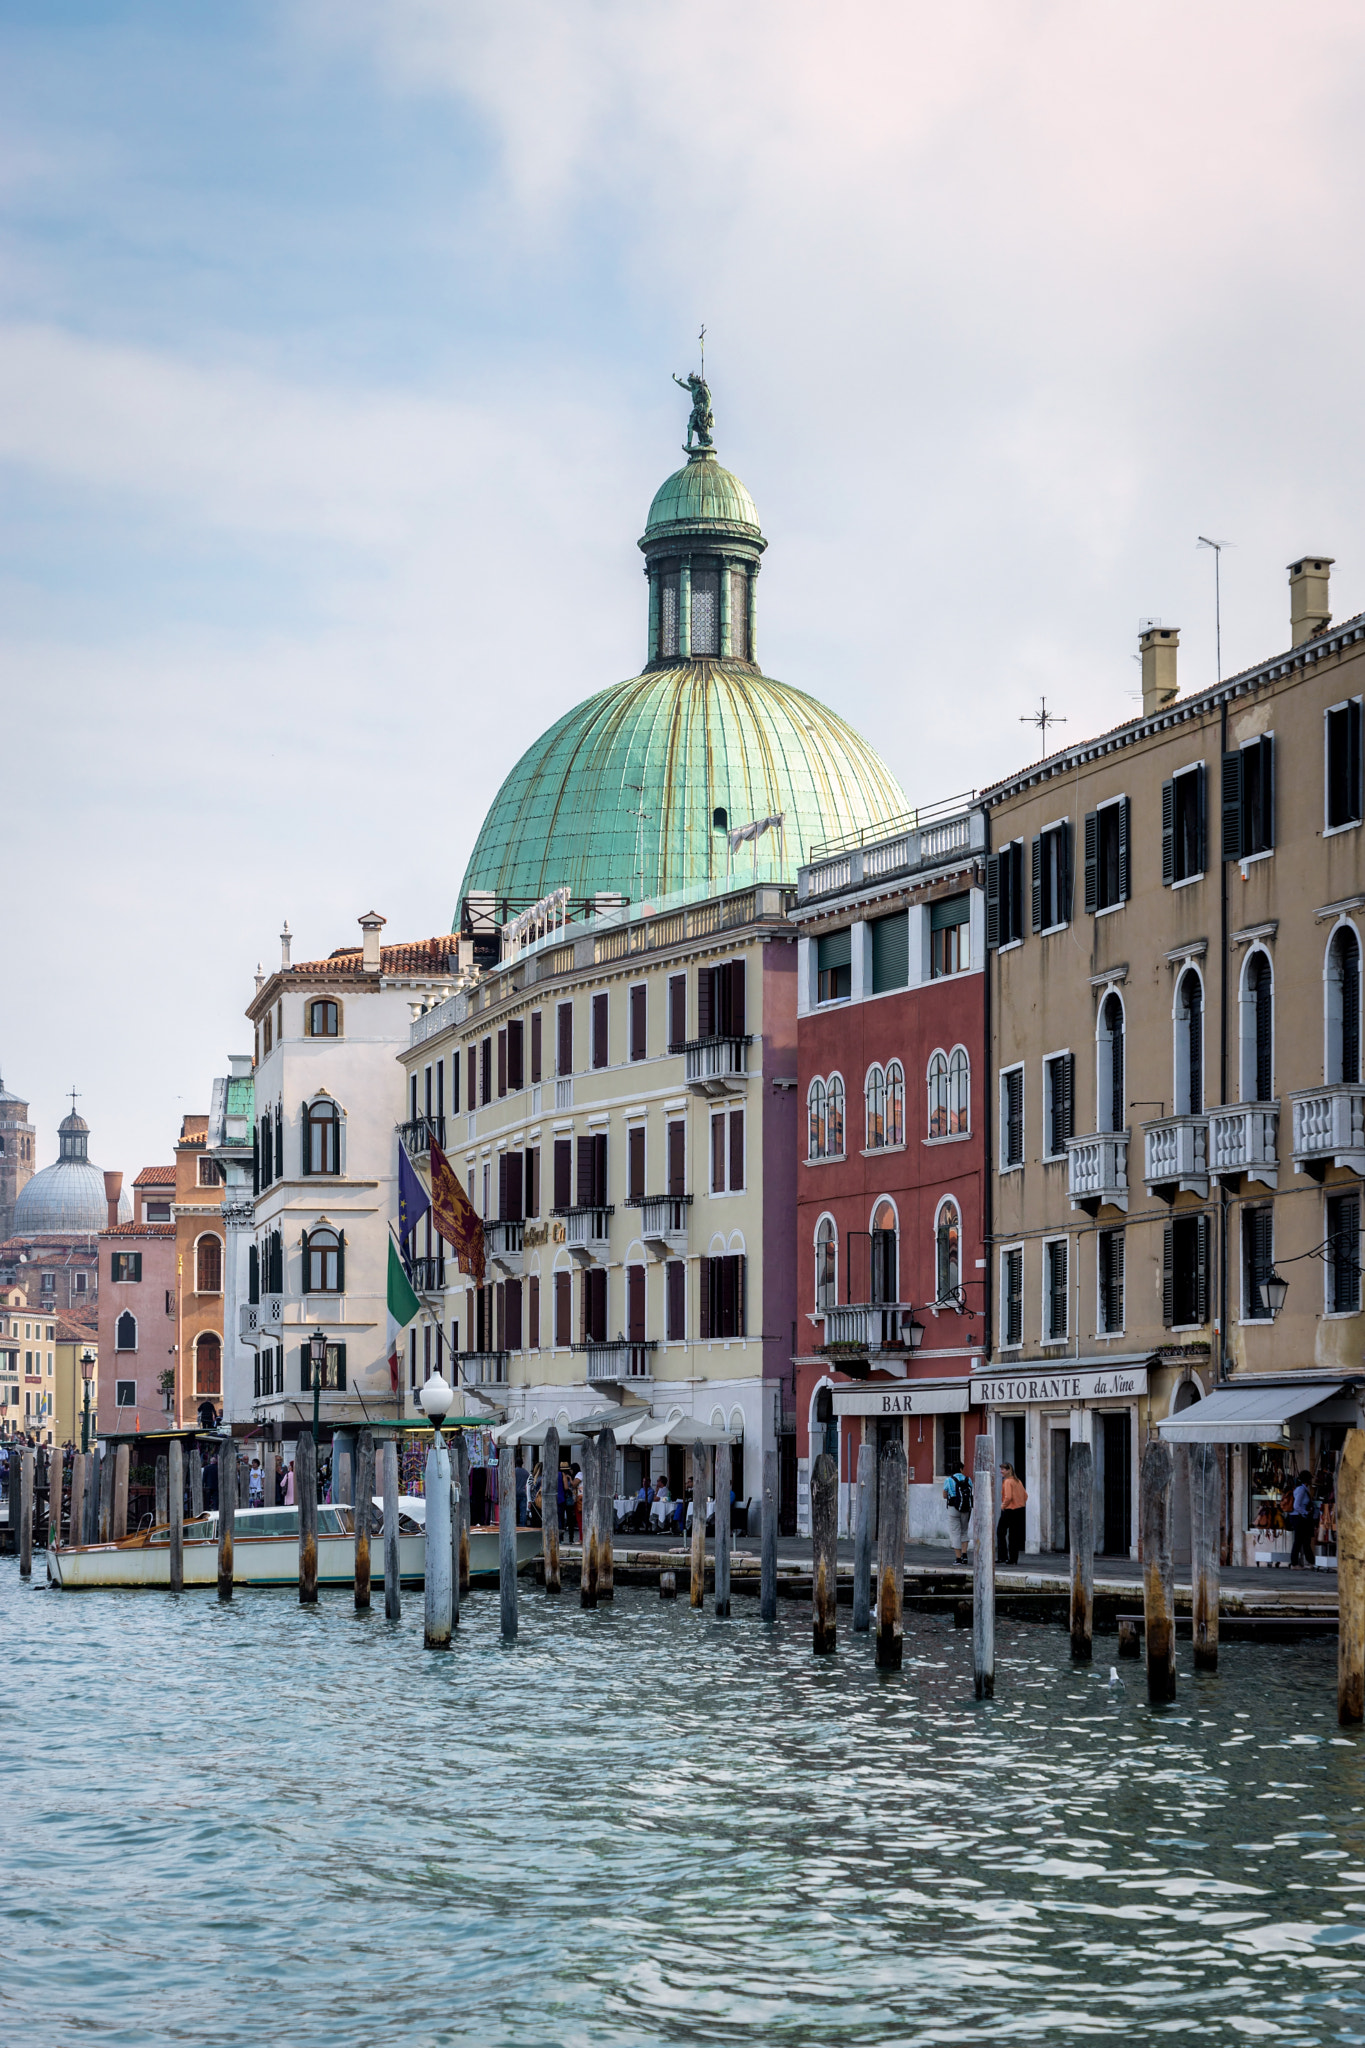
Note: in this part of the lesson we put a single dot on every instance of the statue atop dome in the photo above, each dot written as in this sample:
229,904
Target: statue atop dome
702,419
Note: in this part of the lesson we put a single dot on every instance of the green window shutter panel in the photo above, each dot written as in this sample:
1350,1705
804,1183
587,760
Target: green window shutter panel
836,949
890,952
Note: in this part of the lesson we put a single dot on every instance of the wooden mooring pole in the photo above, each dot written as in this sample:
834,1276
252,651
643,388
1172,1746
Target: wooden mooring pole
606,1514
824,1536
162,1513
587,1574
549,1508
455,1536
363,1506
1158,1570
438,1612
1206,1523
892,1499
701,1462
90,1503
722,1528
227,1512
462,1482
862,1537
982,1540
175,1467
76,1498
106,1506
196,1481
25,1513
1351,1580
1080,1488
393,1596
767,1586
306,1501
507,1541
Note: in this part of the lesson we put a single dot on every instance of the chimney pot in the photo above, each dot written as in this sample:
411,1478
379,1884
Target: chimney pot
286,941
1158,646
1309,611
371,925
113,1188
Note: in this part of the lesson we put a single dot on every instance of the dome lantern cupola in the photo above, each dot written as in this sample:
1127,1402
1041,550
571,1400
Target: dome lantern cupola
702,545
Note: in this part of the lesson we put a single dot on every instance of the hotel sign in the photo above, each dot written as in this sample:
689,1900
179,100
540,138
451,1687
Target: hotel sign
1055,1383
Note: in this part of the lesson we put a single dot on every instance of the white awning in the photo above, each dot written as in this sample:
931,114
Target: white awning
681,1430
1246,1415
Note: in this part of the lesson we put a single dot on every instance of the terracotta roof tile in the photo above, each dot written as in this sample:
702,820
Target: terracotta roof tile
417,956
140,1230
156,1177
74,1330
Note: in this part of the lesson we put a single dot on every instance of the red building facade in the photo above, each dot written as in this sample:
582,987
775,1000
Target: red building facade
892,1183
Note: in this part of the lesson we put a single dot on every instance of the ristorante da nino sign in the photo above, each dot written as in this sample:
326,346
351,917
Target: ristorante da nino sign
1109,1383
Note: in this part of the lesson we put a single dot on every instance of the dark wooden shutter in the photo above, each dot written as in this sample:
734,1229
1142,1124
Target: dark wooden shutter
1038,884
563,1308
1061,909
454,1084
514,1212
599,1030
531,1181
502,1064
513,1295
736,986
563,1173
472,1080
676,1329
705,1002
307,1272
1168,833
516,1055
636,1162
253,1272
727,1298
1125,810
336,1359
599,1170
741,1279
583,1188
717,1155
736,1150
533,1313
993,900
564,1030
1201,819
638,1003
1168,1274
341,1262
1267,792
255,1159
535,1047
1092,860
1232,806
677,1158
1201,1268
705,1330
677,1012
635,1304
1262,990
1348,954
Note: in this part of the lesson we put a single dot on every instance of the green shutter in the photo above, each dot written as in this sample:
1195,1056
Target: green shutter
890,952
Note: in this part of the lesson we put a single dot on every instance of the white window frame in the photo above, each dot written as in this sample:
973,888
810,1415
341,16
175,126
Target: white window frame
1057,825
1331,1013
1108,909
1246,1024
1108,1230
718,1115
1063,1053
1352,824
1190,768
1243,1313
124,1389
1180,1069
1047,1340
1007,1251
1330,1314
1014,1165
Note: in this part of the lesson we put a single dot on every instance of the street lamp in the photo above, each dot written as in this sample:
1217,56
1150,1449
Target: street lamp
916,1333
435,1398
1274,1289
317,1354
87,1374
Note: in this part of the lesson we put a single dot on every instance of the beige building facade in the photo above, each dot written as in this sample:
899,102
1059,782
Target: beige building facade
1175,927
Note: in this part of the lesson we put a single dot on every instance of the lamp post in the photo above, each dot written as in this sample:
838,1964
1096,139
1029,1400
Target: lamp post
87,1374
436,1397
317,1357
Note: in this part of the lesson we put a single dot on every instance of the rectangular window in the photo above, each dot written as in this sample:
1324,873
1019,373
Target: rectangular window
718,1155
512,1312
535,1048
564,1039
638,1002
440,1088
1258,1261
485,1071
599,1030
1249,799
472,1092
1343,765
635,1163
736,1150
1059,1098
563,1173
675,1293
834,963
1005,895
211,1174
531,1179
510,1174
677,1012
533,1313
80,1283
1052,877
594,1300
950,936
677,1158
635,1304
1106,855
722,1297
1055,1268
516,1055
563,1308
891,952
428,1092
1012,1117
591,1187
125,1266
1185,1272
125,1393
720,1000
1182,826
1012,1296
1110,1253
1343,1255
502,1063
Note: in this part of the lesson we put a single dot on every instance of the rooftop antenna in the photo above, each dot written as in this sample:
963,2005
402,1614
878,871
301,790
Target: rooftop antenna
1042,718
1218,546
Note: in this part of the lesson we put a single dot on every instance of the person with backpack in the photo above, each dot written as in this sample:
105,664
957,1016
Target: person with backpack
957,1491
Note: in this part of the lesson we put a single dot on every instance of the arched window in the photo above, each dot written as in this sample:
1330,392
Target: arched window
938,1096
322,1137
885,1264
834,1118
125,1332
815,1116
1189,1045
1109,1066
208,1365
874,1103
322,1262
826,1264
895,1103
324,1019
948,1256
959,1091
1343,1006
208,1265
1257,1031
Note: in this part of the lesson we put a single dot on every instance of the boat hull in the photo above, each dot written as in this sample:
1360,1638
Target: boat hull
263,1561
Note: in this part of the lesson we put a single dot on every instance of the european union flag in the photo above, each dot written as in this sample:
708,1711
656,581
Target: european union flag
413,1199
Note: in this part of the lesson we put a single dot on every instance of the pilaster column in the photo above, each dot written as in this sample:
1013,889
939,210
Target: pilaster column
753,615
685,609
653,616
726,647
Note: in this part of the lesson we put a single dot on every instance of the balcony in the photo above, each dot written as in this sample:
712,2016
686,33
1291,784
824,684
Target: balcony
877,1332
1329,1128
619,1362
270,1311
484,1368
1244,1142
717,1066
1097,1171
586,1233
1175,1156
663,1223
429,1275
418,1134
564,1092
248,1321
502,1242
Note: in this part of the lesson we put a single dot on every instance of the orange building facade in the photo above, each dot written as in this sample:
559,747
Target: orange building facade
198,1203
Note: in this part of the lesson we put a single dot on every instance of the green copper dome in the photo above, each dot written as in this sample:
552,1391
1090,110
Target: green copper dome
635,791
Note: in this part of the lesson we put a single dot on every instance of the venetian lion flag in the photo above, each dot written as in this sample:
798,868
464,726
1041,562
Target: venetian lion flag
403,1306
455,1216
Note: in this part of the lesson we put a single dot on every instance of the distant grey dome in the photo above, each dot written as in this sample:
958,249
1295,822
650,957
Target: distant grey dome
68,1197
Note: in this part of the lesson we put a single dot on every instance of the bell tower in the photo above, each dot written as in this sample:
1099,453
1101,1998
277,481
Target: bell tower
16,1156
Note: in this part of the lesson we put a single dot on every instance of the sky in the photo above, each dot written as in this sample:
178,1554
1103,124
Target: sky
336,343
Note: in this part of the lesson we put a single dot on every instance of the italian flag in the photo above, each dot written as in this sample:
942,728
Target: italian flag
403,1306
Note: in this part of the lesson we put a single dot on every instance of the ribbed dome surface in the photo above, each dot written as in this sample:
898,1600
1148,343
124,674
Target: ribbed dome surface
700,737
65,1197
701,493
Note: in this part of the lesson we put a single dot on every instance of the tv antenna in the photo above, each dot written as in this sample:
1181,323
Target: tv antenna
1042,718
1218,546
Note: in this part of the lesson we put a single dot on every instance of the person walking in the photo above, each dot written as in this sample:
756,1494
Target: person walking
288,1495
957,1491
1301,1522
1013,1500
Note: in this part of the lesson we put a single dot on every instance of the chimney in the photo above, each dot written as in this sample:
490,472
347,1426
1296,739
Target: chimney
260,977
1309,611
1158,644
286,941
372,924
113,1188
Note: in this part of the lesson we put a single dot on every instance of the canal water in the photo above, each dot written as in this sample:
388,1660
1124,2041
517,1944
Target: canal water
257,1824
